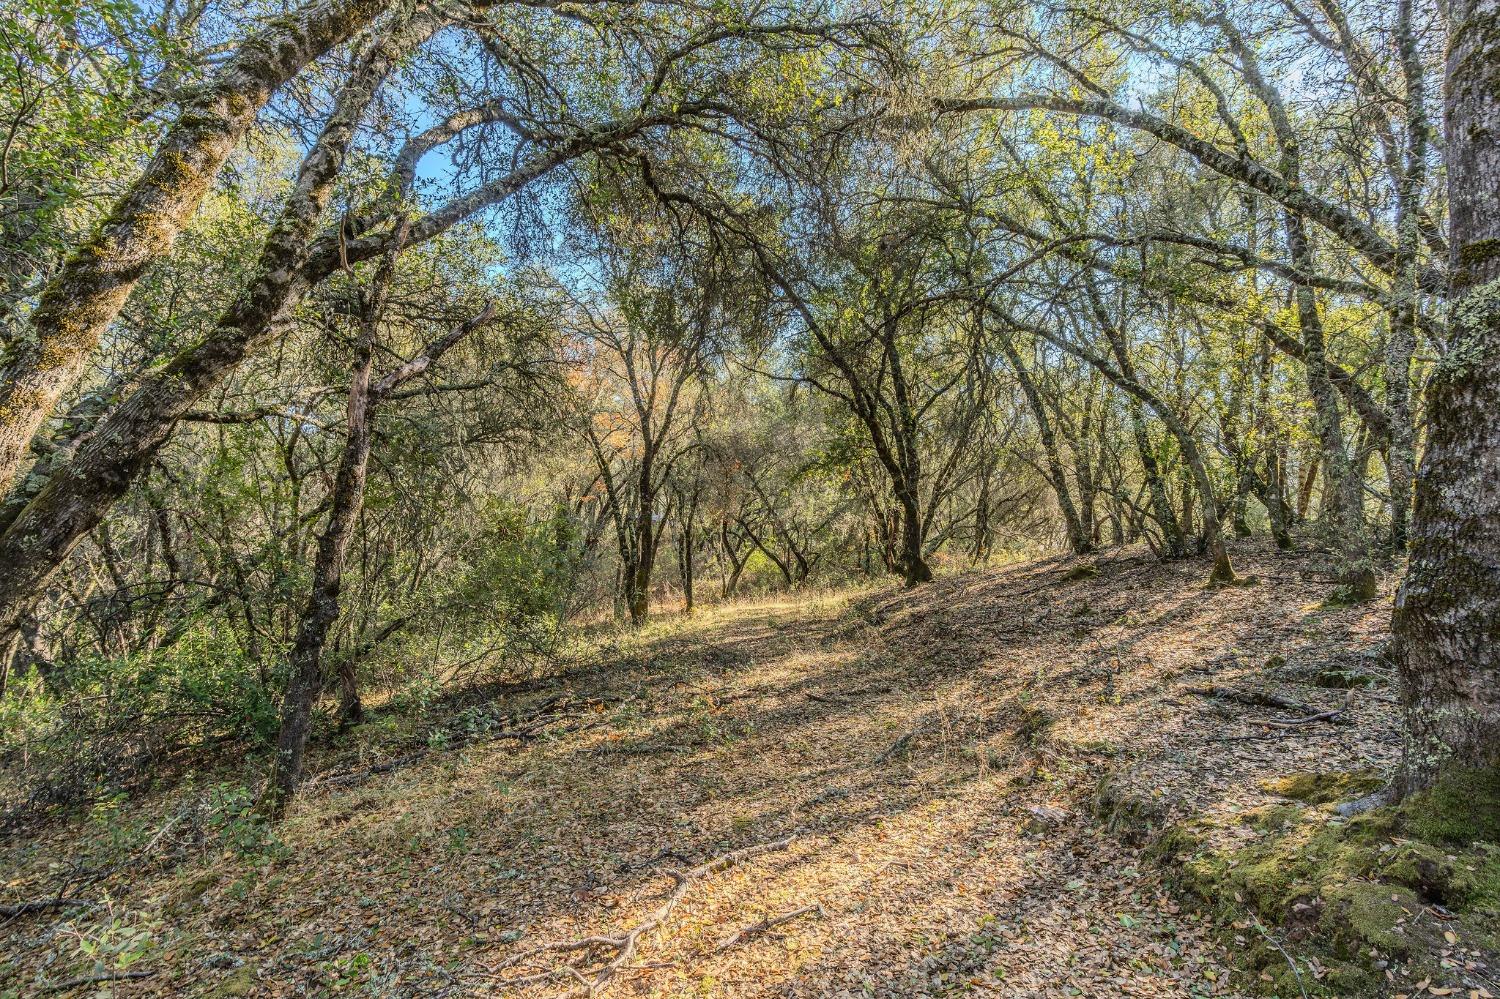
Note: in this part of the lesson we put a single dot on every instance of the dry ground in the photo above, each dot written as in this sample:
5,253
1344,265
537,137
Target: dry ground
935,754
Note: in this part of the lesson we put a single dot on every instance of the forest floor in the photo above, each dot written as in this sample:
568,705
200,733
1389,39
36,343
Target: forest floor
935,757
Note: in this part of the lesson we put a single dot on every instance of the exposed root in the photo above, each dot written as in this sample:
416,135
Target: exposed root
584,966
1379,799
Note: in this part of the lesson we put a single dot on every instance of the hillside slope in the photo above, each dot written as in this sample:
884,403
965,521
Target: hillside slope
972,776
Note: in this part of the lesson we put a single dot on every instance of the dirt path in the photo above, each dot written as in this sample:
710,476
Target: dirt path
936,756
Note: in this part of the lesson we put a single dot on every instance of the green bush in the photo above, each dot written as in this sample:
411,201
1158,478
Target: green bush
99,724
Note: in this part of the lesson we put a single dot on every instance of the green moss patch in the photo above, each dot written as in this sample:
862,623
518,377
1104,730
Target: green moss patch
1322,789
1342,679
1083,570
1393,891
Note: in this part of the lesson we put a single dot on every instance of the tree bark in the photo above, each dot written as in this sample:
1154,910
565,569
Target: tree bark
1447,618
1401,452
345,503
914,567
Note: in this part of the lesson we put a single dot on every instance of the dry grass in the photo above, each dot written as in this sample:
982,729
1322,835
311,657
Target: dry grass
935,754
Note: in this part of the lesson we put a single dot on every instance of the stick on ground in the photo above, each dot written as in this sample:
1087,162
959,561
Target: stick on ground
756,929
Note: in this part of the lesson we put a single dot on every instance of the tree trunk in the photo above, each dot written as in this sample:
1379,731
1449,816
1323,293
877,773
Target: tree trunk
1343,484
1401,453
322,608
736,565
88,292
685,563
351,707
638,575
914,568
345,503
1161,506
1447,618
76,496
1078,540
1222,571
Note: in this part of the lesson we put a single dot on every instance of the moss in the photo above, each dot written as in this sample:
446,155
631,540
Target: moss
1349,895
241,983
1466,879
1131,817
1480,251
1084,570
1359,915
1342,679
1322,789
1463,807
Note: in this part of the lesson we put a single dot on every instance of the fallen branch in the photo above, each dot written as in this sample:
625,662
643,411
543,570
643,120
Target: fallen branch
523,729
621,947
352,777
40,905
1253,698
1335,716
1256,736
106,976
1329,716
756,929
899,745
64,899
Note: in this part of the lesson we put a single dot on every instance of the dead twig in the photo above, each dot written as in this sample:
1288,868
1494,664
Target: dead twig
1336,716
584,966
756,929
1296,973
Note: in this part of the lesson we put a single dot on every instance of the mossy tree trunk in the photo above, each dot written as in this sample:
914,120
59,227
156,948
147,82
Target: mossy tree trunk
1447,617
77,495
88,292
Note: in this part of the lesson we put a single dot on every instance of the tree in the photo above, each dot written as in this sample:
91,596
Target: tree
676,80
1447,619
